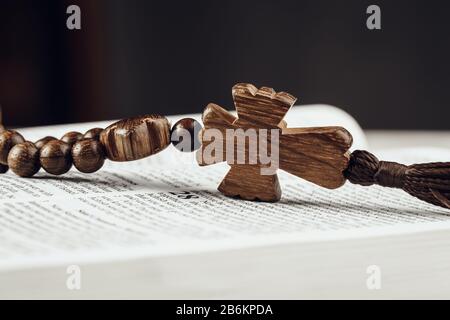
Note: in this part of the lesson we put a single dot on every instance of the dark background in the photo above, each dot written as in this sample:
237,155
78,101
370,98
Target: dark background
135,57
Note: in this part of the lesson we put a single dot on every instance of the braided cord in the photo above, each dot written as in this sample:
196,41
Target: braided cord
429,182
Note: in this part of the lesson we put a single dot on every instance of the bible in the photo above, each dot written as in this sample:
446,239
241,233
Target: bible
158,228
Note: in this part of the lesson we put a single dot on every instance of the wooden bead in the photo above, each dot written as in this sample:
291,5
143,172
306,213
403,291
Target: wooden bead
72,137
23,159
55,157
93,133
8,139
136,138
88,155
41,142
186,128
3,168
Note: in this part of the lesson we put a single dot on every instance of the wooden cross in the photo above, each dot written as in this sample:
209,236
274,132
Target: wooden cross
319,155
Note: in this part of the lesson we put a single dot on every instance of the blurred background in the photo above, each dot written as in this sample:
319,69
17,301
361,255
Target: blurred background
135,57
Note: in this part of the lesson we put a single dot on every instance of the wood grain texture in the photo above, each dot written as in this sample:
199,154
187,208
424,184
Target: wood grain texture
23,159
216,118
93,133
260,108
8,139
88,155
41,142
319,155
246,182
55,157
136,138
72,137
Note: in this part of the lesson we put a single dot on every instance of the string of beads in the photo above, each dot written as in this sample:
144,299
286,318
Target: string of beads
125,140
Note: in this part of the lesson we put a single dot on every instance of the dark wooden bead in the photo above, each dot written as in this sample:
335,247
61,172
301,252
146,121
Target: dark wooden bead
23,159
72,137
3,168
41,142
93,133
136,138
186,128
88,155
8,139
56,157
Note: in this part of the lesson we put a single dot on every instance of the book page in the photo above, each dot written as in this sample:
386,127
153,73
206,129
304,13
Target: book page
166,205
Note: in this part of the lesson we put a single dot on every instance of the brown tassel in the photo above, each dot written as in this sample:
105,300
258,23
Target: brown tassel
429,182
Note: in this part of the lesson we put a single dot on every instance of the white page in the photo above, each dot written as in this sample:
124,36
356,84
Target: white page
166,204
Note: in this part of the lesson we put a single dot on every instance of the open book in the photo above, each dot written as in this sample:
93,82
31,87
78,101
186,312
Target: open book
157,228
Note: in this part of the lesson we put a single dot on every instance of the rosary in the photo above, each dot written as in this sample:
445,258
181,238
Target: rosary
319,155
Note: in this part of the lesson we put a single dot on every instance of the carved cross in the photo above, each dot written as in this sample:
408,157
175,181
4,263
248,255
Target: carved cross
319,155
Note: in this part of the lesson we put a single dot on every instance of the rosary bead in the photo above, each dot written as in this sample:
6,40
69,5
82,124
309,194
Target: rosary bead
136,138
72,137
23,159
88,155
42,142
3,168
8,139
93,133
186,128
55,157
